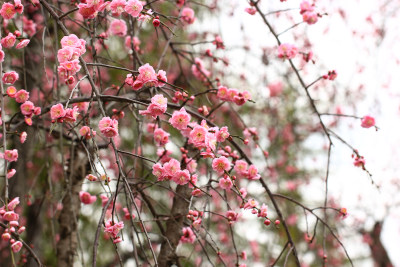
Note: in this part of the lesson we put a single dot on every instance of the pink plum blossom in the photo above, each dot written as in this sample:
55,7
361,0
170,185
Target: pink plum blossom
180,119
108,127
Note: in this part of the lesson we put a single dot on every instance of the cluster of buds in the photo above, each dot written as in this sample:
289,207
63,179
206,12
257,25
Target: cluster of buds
195,217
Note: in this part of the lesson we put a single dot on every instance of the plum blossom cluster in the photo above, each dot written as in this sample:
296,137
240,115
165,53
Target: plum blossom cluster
108,127
11,218
59,114
147,77
157,107
28,109
233,95
171,170
68,57
308,12
113,229
9,10
287,51
243,170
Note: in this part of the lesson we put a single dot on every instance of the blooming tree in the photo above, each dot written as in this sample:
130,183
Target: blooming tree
127,139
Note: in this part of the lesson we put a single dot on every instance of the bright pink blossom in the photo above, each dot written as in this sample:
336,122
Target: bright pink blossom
86,132
117,7
367,121
86,198
7,11
10,155
225,183
10,77
171,167
161,137
11,173
188,15
221,164
180,119
181,177
8,41
27,108
13,203
188,236
57,111
108,127
23,43
21,96
133,8
16,246
157,107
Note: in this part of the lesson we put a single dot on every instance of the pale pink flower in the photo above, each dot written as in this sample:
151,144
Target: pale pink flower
22,137
133,8
13,203
57,112
86,198
113,228
252,173
157,107
11,91
161,137
108,127
221,164
117,7
11,173
27,108
310,17
198,135
367,121
222,134
8,41
71,114
180,119
171,167
16,246
161,78
21,96
188,236
86,132
232,216
188,15
225,183
23,43
10,155
147,74
10,77
223,93
251,203
7,11
118,27
181,177
305,6
241,167
159,172
263,211
287,51
10,216
65,54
